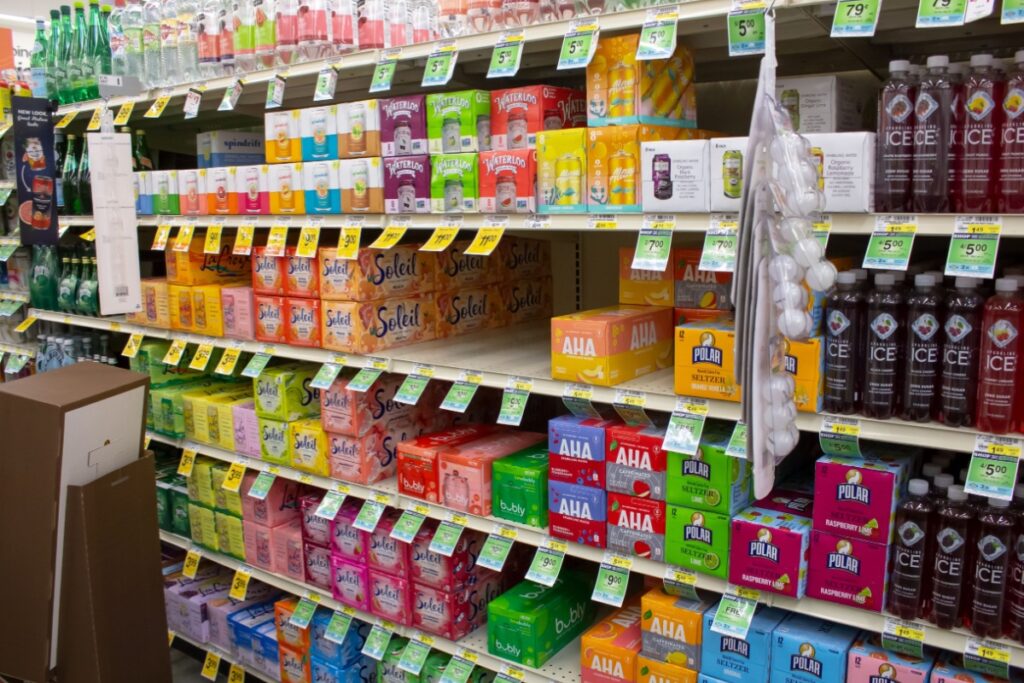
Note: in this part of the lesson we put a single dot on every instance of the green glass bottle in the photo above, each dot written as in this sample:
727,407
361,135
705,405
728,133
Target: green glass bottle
62,72
69,176
83,184
37,63
53,55
90,84
101,54
68,288
141,152
78,65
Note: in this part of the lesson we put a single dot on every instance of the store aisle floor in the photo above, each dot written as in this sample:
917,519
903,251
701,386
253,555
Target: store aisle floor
185,669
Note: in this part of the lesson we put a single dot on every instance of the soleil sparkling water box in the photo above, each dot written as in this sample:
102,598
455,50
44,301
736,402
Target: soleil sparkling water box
697,540
280,505
856,497
578,513
369,458
308,446
444,573
407,184
403,126
359,129
350,582
518,114
808,650
282,392
286,547
457,270
524,258
391,596
609,648
465,475
375,273
271,319
576,447
273,441
354,413
443,613
671,628
868,661
458,122
454,184
635,461
468,310
525,300
385,553
728,658
302,327
318,131
508,181
282,137
268,272
315,529
636,526
520,486
419,464
709,480
848,571
369,327
346,540
769,551
302,275
318,566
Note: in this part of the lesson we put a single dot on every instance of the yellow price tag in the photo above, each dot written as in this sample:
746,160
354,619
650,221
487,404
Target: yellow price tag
132,347
309,238
461,520
145,442
158,106
228,361
26,323
908,632
277,240
580,393
513,672
305,478
440,239
485,242
175,352
604,223
1004,450
683,576
183,240
508,532
996,654
233,479
170,637
621,561
89,235
239,584
212,243
748,593
695,408
389,237
469,656
201,358
187,462
556,545
982,229
236,674
243,240
421,509
211,665
348,243
160,238
124,113
191,565
96,119
67,119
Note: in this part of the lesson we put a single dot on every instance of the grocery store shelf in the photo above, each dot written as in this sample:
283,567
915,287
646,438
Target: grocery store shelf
225,656
17,349
563,667
842,224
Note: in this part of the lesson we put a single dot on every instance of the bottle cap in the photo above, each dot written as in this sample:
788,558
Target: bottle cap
884,279
930,469
1006,284
963,474
860,273
963,282
899,65
958,68
55,14
942,458
846,278
956,493
981,60
65,9
79,5
938,61
918,487
943,481
924,280
898,276
998,503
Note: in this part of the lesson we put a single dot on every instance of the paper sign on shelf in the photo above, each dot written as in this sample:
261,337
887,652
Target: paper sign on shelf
507,55
547,562
579,44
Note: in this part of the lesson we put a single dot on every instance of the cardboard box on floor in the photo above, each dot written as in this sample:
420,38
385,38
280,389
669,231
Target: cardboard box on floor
79,516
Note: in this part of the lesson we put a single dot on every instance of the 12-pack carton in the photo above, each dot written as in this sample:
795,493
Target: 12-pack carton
375,273
520,486
283,139
368,327
868,661
635,461
609,648
561,171
252,189
578,513
809,650
466,469
636,526
165,193
848,571
769,551
728,658
322,183
846,167
725,166
857,497
222,191
697,540
283,393
359,129
672,628
525,300
362,185
419,464
220,148
819,104
613,165
192,189
576,450
709,479
468,310
318,133
286,192
458,122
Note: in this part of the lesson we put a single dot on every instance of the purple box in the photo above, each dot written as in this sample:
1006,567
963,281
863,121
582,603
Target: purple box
407,184
579,502
403,126
576,448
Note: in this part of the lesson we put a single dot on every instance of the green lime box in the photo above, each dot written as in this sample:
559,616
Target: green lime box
454,183
388,669
459,122
530,623
282,392
519,486
709,480
697,540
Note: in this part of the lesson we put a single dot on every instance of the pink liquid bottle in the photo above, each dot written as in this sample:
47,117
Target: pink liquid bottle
371,24
287,28
423,22
923,350
844,334
961,345
1000,359
991,564
342,26
484,15
883,335
521,12
979,149
1015,588
1011,142
957,74
909,583
953,543
932,124
312,29
894,155
451,17
225,16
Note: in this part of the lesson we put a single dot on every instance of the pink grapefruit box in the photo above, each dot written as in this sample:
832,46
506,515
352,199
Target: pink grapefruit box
466,470
369,458
856,497
373,326
351,582
376,273
354,413
286,546
434,569
391,597
848,571
769,551
869,663
279,506
346,540
388,554
418,459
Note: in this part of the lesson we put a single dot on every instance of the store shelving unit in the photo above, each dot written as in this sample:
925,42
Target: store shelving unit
562,667
225,656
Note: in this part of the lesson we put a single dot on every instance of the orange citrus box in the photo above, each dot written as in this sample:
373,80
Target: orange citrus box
469,310
681,284
671,628
705,364
609,649
179,302
613,164
606,346
652,671
621,90
643,287
376,273
155,311
286,190
207,316
371,326
193,267
692,315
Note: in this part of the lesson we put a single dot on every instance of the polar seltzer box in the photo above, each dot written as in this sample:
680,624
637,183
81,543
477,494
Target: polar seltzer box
809,650
728,658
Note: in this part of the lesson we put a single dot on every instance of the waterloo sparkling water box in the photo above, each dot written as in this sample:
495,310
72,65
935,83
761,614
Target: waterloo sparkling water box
407,184
576,450
636,526
318,131
671,628
709,479
562,171
458,122
362,185
848,571
697,540
322,183
252,189
809,650
728,658
609,648
368,327
419,463
359,129
454,185
403,126
868,662
578,513
508,181
518,114
769,551
635,461
857,497
282,135
519,487
375,273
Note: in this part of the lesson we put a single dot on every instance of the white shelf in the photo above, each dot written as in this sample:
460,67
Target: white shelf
562,667
210,647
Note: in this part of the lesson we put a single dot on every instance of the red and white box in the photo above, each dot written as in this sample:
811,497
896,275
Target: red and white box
508,181
518,114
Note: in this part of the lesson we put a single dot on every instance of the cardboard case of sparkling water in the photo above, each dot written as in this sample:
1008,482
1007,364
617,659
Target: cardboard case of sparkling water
709,479
221,191
454,183
508,181
622,90
282,392
675,176
458,122
697,540
165,193
671,628
576,450
613,165
362,185
283,139
407,184
518,114
728,658
561,171
525,300
520,486
725,165
322,183
769,551
375,273
286,194
192,192
848,571
403,125
252,189
368,327
193,267
857,497
318,128
609,648
806,649
468,310
359,129
419,464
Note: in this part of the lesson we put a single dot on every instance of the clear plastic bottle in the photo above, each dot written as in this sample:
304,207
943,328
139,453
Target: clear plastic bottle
1015,585
226,49
170,69
312,29
485,15
452,19
287,27
521,12
954,544
423,22
208,42
118,43
994,547
909,583
371,24
188,31
154,68
243,18
399,31
343,26
265,18
884,333
844,334
1011,142
131,24
940,486
923,350
932,125
978,173
1000,359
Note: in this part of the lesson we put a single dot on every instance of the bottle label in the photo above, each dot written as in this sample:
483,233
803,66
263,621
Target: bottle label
884,326
980,105
925,326
957,328
1002,332
925,107
899,108
837,323
1013,103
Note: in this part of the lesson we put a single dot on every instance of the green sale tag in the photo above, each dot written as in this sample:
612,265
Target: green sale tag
440,65
737,447
377,642
733,616
658,35
686,425
653,248
364,379
974,246
496,548
856,18
720,240
407,526
337,627
579,44
369,515
411,390
326,82
1013,12
303,613
891,242
840,436
932,13
547,562
507,55
231,96
746,33
612,580
15,364
275,91
446,538
261,487
459,396
413,656
513,405
329,506
458,670
993,469
256,365
383,75
325,376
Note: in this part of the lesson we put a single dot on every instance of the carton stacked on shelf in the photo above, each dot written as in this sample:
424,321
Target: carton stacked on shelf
171,498
215,514
266,522
287,411
609,648
286,298
726,658
635,471
577,503
671,630
186,600
305,650
771,541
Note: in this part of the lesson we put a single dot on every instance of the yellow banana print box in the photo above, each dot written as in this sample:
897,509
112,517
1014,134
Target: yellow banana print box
606,346
562,171
705,365
671,628
652,671
621,90
613,164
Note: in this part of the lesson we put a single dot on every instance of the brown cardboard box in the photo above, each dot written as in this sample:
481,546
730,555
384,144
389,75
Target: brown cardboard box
78,512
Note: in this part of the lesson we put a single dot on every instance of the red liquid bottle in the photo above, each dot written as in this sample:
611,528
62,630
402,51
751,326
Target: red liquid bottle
1015,586
1011,142
995,539
982,117
883,336
909,584
953,543
844,334
923,349
957,72
961,345
1000,359
894,155
932,124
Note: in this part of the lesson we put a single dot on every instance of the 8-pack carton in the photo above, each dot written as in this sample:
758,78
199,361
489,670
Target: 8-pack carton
458,122
518,114
454,185
508,181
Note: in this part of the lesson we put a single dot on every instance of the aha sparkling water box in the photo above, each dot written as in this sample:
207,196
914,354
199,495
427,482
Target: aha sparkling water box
318,131
468,310
518,114
403,126
636,526
613,165
362,185
282,137
671,628
728,658
652,671
561,171
454,186
709,479
697,540
769,551
376,273
848,571
576,449
635,461
458,122
609,648
407,184
868,662
372,326
359,129
578,513
508,181
322,183
857,497
810,650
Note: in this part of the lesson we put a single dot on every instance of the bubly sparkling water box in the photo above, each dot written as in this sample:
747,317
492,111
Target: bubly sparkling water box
407,184
517,114
390,597
856,497
351,582
728,658
635,461
419,463
577,513
454,187
458,122
403,126
768,551
849,571
636,526
508,181
868,662
809,650
576,450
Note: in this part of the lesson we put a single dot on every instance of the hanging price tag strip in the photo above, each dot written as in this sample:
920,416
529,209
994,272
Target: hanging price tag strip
191,564
840,436
653,245
578,398
233,479
384,72
157,108
856,18
124,112
974,246
201,358
408,525
348,242
187,462
414,385
275,91
364,379
507,55
231,97
325,376
681,582
243,240
579,44
415,654
904,637
612,579
735,612
513,401
547,562
228,361
658,35
309,238
447,535
369,515
719,253
277,240
440,64
986,657
686,425
462,391
936,13
256,364
891,242
630,407
993,469
326,83
737,447
304,611
390,236
96,119
66,120
338,626
211,245
746,33
175,352
183,240
486,239
240,584
497,547
261,487
377,642
329,506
